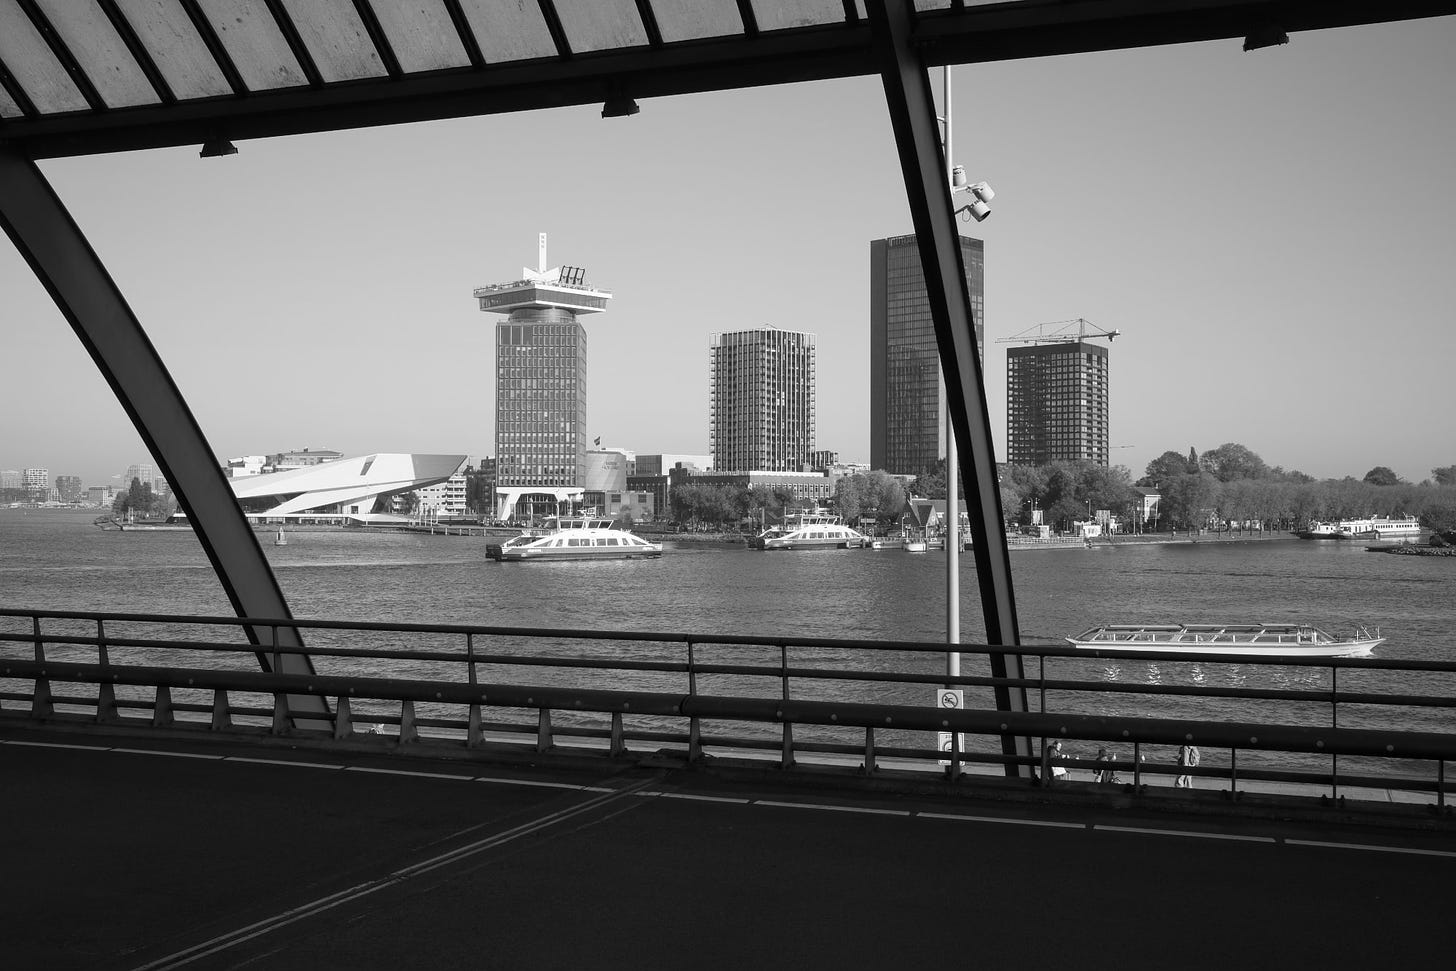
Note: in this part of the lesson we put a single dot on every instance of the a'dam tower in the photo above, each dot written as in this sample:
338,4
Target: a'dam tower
540,386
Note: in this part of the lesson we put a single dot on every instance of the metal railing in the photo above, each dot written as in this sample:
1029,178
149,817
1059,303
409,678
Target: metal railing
862,705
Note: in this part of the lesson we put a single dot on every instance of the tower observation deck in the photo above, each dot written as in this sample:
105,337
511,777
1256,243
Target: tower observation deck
540,387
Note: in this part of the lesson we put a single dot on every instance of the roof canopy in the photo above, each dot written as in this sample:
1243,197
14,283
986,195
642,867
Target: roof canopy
89,76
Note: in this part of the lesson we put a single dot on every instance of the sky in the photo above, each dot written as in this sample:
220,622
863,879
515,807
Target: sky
1269,232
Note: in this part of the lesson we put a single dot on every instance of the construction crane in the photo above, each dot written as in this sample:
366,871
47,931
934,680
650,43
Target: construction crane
1060,332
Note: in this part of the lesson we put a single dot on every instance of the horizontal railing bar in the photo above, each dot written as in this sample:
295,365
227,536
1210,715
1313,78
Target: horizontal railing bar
1119,729
701,640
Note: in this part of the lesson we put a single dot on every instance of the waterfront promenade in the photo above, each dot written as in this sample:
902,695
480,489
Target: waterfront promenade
130,852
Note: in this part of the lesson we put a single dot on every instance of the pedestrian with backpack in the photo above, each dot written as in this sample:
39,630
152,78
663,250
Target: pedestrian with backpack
1187,758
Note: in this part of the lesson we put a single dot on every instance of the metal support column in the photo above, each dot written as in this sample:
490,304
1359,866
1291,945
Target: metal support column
911,104
62,259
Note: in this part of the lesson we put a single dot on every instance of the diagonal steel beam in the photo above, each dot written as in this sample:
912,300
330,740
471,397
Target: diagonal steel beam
61,257
911,102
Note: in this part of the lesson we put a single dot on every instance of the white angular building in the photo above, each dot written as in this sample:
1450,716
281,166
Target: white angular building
345,490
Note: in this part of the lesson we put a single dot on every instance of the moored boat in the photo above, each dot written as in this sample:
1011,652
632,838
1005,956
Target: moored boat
1263,640
809,531
1380,527
575,538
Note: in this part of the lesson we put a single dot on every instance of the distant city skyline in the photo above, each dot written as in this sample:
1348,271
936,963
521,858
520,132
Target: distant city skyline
1210,204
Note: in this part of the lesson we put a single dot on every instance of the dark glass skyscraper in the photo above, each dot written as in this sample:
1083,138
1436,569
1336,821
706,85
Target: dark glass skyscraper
907,396
1056,403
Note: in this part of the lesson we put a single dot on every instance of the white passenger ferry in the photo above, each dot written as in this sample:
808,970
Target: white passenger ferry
809,531
1263,640
579,538
1380,528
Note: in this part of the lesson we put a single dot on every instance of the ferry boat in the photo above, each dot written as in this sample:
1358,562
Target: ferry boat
1262,640
1318,529
574,538
1380,528
809,531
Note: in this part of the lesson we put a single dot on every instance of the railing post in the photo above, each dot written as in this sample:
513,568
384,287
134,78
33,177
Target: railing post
1234,772
695,738
222,719
473,734
618,745
343,719
543,730
1334,723
105,691
40,701
1137,767
955,755
162,707
869,762
787,761
408,734
1440,783
281,723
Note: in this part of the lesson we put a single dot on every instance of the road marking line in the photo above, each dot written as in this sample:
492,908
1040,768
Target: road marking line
1106,828
1372,848
289,762
170,755
83,748
420,775
829,808
530,783
696,798
1002,819
259,928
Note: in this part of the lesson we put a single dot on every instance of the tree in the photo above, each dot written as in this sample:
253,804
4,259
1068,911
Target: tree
1232,461
1445,475
1192,459
1163,468
1381,476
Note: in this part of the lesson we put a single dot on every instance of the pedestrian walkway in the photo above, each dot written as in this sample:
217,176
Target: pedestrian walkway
170,854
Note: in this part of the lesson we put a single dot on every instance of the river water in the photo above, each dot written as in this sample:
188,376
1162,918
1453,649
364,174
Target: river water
59,560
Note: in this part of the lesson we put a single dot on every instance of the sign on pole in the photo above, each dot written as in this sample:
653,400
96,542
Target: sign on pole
949,698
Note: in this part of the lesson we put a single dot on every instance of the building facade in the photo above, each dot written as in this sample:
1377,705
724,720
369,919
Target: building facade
907,395
1056,403
761,406
541,384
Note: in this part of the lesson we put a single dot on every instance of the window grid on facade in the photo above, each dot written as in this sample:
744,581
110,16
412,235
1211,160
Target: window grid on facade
761,400
1056,396
540,399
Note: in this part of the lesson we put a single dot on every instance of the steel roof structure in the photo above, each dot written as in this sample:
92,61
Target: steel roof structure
81,77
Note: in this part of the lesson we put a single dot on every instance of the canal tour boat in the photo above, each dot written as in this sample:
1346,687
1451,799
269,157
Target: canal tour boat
1379,527
576,538
1262,640
809,531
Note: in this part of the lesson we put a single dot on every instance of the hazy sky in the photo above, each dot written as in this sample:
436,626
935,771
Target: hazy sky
1270,231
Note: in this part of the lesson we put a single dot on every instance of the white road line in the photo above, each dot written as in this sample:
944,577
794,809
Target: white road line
530,783
288,762
170,755
418,775
1370,847
1002,819
233,938
834,809
1105,828
696,798
82,748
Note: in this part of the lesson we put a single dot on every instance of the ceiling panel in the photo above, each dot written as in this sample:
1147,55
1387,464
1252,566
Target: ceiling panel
782,14
509,30
421,34
176,48
336,39
33,65
100,52
255,43
696,19
601,25
8,107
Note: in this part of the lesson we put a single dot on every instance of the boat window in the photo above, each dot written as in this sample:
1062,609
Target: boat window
573,542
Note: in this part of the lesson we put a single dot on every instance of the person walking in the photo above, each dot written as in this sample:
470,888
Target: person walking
1054,772
1105,774
1187,758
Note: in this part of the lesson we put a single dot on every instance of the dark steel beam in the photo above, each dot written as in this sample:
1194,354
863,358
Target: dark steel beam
911,103
754,58
62,259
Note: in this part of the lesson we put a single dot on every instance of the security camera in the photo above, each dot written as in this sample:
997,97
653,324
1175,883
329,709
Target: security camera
978,210
983,192
958,177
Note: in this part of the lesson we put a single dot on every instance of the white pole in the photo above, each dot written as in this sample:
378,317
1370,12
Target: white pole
952,484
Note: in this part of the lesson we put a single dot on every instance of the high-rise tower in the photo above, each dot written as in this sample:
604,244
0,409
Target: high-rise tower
1056,395
761,411
540,386
907,395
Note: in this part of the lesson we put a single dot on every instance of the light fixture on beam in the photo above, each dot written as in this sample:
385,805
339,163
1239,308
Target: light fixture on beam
216,148
1265,35
618,104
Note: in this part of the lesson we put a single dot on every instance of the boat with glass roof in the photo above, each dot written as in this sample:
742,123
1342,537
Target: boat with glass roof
575,538
1263,640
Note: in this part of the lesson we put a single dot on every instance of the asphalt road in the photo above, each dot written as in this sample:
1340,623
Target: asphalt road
203,856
